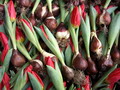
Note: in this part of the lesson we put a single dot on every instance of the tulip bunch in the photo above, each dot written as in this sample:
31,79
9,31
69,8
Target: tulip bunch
59,45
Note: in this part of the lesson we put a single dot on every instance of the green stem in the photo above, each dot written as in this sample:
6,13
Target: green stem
74,39
107,3
35,6
49,2
1,1
104,77
62,10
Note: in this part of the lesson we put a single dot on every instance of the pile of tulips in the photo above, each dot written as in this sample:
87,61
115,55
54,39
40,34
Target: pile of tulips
59,45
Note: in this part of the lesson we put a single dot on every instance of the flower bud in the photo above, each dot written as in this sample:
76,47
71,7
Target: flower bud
104,18
19,35
55,9
67,72
37,65
96,45
75,17
11,10
105,63
41,12
25,3
91,69
17,59
51,22
79,62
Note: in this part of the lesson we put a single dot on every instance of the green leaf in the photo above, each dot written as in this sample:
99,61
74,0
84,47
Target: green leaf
113,30
98,83
51,37
23,50
17,74
93,15
2,71
86,34
55,78
20,82
35,83
12,73
7,60
27,85
111,10
2,29
68,55
71,87
56,51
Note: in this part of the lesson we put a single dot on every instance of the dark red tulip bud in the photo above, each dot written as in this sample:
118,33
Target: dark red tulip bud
1,8
91,69
55,9
67,72
75,17
17,59
37,65
51,22
41,11
32,20
79,62
115,54
25,3
104,18
105,62
79,78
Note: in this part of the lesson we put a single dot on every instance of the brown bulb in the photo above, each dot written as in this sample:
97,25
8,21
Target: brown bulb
76,2
91,67
51,22
67,72
79,62
55,9
32,20
25,3
37,65
41,12
96,45
115,54
17,59
104,18
105,63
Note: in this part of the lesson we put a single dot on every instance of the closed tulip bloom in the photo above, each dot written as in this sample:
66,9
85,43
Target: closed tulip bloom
75,17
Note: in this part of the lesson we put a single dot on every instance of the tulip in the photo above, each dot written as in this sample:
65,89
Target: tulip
87,85
113,78
4,41
49,61
30,69
19,35
75,17
11,10
5,82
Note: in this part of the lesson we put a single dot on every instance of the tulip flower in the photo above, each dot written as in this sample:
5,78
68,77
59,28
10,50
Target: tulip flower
4,41
75,17
29,69
49,61
43,30
97,8
11,10
87,85
113,78
5,82
83,13
19,35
